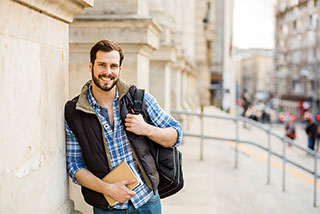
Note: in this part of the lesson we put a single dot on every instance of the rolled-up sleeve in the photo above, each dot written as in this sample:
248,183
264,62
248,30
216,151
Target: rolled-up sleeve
73,153
161,118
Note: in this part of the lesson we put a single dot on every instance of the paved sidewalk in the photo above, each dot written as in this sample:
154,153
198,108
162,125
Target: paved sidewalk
214,186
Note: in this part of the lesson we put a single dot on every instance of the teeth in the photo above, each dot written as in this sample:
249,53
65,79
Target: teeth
106,79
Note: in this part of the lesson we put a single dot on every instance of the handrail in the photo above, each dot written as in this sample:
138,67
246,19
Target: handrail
285,141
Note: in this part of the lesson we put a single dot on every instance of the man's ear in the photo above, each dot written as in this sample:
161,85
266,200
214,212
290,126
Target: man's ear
90,67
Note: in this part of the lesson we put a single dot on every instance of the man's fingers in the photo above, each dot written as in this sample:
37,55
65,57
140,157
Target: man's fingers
130,192
127,182
130,115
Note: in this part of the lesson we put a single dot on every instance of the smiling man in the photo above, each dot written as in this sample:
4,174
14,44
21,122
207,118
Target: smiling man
98,136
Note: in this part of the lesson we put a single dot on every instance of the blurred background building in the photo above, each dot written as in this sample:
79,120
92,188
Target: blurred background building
222,85
297,56
255,70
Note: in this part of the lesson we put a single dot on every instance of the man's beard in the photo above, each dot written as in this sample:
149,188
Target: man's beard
103,87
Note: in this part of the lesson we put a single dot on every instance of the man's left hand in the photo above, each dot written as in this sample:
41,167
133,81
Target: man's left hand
136,124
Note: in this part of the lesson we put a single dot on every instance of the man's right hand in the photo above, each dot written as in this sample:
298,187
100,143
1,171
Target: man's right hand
119,191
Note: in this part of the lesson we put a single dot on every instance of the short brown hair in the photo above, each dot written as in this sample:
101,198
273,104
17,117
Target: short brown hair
107,46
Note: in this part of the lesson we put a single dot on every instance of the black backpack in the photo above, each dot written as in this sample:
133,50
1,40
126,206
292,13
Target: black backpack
168,160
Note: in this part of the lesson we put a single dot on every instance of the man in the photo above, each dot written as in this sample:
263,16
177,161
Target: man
100,134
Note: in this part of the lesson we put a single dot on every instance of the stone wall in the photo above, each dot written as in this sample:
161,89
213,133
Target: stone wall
34,50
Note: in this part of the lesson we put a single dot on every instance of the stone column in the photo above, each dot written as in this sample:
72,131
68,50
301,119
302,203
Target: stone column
34,50
176,85
160,70
162,59
203,34
126,22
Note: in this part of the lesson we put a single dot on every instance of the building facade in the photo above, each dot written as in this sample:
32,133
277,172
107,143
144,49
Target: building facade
297,55
255,71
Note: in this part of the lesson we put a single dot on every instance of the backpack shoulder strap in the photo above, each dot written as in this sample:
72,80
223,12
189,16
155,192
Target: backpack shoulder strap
138,101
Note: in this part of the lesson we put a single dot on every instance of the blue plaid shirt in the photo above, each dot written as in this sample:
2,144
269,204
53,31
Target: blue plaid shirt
118,143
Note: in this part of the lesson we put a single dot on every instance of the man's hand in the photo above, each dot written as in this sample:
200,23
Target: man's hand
164,136
136,124
120,192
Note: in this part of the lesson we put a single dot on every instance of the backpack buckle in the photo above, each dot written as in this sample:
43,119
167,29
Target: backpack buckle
137,107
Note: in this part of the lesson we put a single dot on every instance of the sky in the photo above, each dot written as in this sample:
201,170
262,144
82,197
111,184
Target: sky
253,23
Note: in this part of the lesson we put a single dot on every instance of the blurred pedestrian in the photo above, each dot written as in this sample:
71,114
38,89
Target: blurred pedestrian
318,131
312,132
290,130
265,117
246,101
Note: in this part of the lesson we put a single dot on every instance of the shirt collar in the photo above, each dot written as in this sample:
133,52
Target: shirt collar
93,101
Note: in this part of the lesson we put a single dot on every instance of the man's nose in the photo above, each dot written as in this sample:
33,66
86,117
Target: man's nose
107,70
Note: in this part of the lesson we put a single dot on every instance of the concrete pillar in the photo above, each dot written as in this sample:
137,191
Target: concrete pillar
160,71
161,60
126,22
34,50
176,85
203,36
185,90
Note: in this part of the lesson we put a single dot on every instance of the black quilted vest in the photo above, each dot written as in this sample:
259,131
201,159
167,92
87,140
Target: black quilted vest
88,129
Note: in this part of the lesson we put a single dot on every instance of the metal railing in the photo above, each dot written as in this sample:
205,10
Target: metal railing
269,132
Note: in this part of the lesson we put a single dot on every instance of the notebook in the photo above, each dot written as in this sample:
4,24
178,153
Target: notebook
123,171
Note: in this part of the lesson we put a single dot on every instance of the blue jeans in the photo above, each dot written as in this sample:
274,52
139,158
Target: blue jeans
311,142
153,206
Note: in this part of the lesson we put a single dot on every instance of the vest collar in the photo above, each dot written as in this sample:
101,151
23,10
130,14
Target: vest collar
83,103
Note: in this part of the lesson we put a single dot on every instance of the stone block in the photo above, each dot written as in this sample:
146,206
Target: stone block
20,130
135,69
54,93
79,72
164,53
38,191
40,28
64,10
138,32
160,84
118,7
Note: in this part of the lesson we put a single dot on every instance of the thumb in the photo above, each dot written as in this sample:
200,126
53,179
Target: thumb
131,181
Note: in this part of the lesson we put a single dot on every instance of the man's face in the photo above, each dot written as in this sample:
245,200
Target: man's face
106,70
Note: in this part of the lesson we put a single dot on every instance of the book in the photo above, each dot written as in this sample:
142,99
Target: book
123,171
